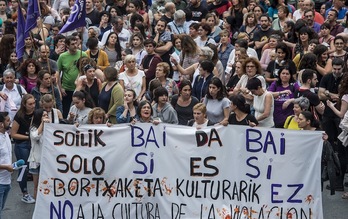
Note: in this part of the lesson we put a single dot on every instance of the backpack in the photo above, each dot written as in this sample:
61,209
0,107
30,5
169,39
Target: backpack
330,166
19,88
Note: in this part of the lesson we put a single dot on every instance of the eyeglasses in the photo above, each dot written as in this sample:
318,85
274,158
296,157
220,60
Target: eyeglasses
250,66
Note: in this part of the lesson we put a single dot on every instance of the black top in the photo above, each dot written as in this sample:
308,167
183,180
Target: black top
93,91
233,120
24,125
184,113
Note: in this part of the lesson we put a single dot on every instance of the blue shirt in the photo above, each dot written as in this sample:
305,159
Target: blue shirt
341,13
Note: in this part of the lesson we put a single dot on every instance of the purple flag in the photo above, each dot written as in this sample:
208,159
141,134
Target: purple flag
77,17
32,14
20,36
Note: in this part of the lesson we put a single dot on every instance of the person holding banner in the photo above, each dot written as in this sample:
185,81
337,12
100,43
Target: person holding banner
263,103
306,121
300,104
217,104
5,159
144,113
127,112
241,112
96,116
111,94
162,109
83,104
36,128
200,117
20,135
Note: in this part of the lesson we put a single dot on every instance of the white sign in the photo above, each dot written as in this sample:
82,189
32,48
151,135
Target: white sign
170,171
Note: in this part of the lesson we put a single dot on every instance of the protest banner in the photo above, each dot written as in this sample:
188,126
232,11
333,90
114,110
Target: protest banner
170,171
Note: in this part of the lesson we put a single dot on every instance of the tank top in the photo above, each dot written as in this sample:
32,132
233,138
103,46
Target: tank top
104,97
93,91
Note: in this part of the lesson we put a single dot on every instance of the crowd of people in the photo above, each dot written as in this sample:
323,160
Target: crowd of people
196,62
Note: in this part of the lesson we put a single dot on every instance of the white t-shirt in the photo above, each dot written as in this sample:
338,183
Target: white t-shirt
5,158
133,82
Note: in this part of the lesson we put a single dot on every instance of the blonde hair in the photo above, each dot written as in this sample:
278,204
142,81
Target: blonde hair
94,112
201,107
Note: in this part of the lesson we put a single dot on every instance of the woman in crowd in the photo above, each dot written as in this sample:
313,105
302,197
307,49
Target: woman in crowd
104,23
133,78
225,48
199,117
252,69
241,112
7,46
204,31
340,45
29,70
237,10
283,89
341,107
326,38
250,25
216,102
184,102
324,63
162,72
300,104
96,116
305,35
218,65
273,41
40,117
112,48
137,47
306,121
47,103
258,11
44,86
15,65
111,94
162,108
20,134
206,53
127,112
236,76
89,83
99,56
189,52
263,103
273,9
200,85
213,22
144,112
283,59
78,113
11,94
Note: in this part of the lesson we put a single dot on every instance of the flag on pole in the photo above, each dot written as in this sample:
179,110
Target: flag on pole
77,17
32,15
20,36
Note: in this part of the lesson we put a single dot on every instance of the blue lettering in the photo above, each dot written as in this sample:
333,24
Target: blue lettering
58,213
258,144
299,187
273,193
248,161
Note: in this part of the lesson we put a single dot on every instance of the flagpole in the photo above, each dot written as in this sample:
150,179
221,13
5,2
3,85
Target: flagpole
47,58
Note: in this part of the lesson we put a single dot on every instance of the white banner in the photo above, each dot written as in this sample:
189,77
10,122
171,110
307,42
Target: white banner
169,171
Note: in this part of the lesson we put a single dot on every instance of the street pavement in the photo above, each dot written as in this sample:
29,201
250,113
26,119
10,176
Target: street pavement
334,206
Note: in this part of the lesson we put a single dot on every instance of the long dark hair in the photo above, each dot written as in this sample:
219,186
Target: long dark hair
23,110
37,117
84,95
117,45
221,93
310,116
239,101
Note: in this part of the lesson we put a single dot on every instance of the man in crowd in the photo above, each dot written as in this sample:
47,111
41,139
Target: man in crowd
69,72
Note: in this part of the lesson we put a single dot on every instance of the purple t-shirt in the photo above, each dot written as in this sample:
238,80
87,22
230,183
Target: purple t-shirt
279,114
28,83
